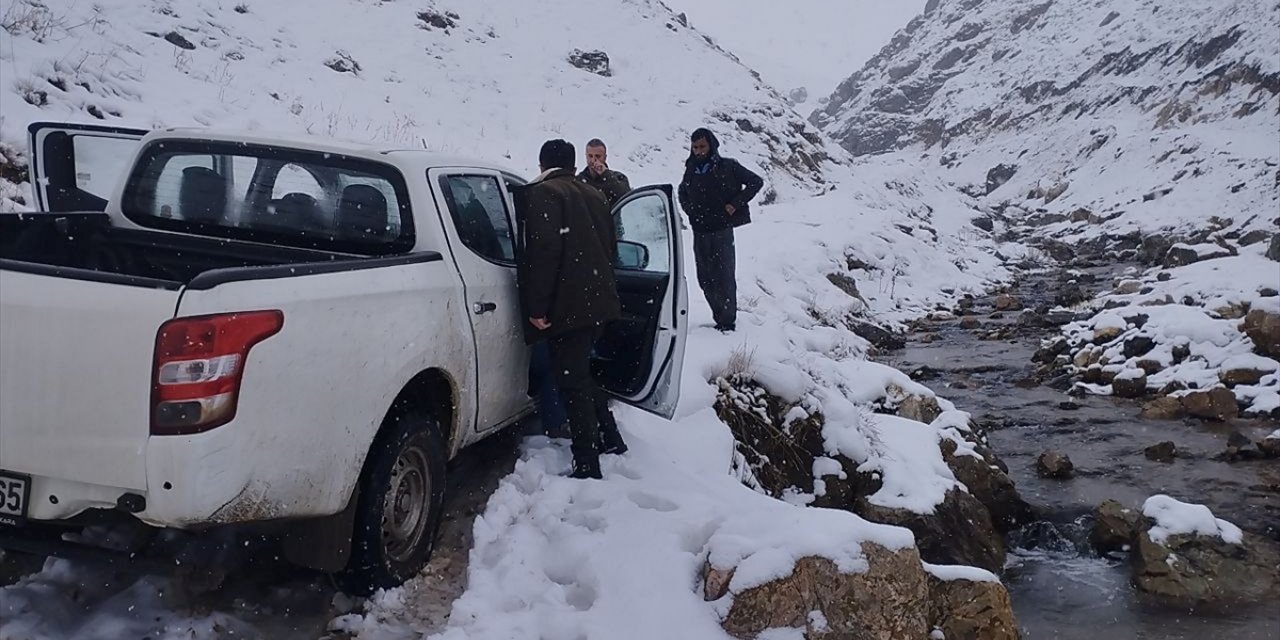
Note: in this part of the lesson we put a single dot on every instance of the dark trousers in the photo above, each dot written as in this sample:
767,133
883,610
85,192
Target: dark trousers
590,421
550,409
717,274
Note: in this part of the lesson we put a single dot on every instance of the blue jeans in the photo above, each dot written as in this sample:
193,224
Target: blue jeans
550,408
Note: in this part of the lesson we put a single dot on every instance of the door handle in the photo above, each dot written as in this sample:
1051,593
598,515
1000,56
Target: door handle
484,307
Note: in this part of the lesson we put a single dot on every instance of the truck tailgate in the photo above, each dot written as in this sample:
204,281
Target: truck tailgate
75,376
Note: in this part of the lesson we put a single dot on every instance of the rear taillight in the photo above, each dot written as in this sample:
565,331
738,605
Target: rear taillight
199,363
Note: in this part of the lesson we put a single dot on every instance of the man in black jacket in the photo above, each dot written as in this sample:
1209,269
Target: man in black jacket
715,193
613,184
568,293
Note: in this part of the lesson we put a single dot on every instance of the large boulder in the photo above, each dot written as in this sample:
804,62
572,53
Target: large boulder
1263,328
959,531
1187,558
1114,527
1130,386
1205,571
970,607
1052,464
1214,404
990,484
888,601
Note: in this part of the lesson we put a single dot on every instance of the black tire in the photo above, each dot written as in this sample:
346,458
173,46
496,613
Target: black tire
405,471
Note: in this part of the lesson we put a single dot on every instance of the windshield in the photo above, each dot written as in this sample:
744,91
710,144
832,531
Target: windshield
269,194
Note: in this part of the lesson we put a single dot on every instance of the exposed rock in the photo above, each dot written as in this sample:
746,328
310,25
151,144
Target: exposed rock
1268,292
342,62
913,407
178,40
846,284
1181,255
1048,352
887,602
1084,215
1151,367
1106,334
1215,404
1057,466
596,62
1008,302
1191,571
1181,352
1114,527
1273,249
1164,276
1129,387
998,175
1128,287
1070,295
1161,451
1238,445
1055,192
1138,346
987,481
1269,446
959,531
879,337
984,222
970,322
715,582
1263,328
972,609
1236,377
1154,248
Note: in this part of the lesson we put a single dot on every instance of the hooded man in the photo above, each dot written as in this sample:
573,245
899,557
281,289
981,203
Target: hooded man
715,193
568,293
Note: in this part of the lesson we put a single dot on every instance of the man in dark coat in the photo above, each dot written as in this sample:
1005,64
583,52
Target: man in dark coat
613,184
568,293
715,193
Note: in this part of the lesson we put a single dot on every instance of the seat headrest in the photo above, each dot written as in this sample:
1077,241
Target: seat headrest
362,212
202,195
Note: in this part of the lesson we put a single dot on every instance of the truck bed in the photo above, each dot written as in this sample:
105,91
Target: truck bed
86,246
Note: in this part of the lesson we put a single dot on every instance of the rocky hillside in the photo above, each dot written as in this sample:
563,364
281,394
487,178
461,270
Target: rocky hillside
493,80
1102,116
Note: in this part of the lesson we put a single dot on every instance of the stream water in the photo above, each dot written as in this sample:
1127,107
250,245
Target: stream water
1060,588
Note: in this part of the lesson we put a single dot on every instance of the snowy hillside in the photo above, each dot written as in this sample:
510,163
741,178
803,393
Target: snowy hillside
804,49
488,79
1145,114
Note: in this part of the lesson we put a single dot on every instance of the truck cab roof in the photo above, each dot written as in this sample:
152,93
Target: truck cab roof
407,158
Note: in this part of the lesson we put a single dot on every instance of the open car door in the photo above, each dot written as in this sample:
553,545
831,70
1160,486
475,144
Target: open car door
639,359
76,167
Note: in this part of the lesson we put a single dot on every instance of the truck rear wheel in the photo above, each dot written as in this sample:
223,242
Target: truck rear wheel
399,508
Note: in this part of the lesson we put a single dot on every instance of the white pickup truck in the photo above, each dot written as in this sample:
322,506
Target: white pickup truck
202,329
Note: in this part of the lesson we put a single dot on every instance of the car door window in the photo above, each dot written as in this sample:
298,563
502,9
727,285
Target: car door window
478,207
99,162
644,244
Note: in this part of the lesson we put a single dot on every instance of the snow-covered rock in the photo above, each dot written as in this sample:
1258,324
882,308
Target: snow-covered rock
1186,557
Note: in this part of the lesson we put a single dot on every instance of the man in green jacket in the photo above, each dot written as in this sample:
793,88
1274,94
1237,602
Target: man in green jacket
568,293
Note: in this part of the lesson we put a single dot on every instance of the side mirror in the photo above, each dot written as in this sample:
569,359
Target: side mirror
632,255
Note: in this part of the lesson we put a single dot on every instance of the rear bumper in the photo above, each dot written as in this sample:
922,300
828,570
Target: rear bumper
199,481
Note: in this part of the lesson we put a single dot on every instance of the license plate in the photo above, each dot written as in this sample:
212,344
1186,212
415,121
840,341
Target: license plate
15,491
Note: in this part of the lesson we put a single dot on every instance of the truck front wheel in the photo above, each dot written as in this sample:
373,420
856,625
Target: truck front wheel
400,504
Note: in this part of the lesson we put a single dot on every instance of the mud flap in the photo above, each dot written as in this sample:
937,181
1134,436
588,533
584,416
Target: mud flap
324,543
